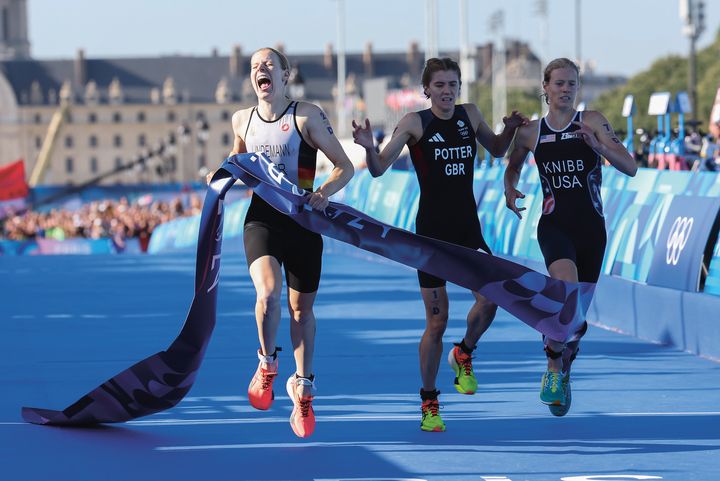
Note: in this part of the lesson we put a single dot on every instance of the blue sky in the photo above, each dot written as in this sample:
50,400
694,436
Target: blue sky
620,36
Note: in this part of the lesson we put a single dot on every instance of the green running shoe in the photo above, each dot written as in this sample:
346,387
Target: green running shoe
551,390
461,364
431,420
563,409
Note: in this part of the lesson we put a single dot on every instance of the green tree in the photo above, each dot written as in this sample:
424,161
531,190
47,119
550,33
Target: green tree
665,74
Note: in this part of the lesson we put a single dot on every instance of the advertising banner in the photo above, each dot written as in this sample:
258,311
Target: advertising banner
679,251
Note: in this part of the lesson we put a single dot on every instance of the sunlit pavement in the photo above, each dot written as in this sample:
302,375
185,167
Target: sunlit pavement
640,410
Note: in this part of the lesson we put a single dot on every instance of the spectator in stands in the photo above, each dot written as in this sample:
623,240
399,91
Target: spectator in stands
290,133
119,220
443,144
568,147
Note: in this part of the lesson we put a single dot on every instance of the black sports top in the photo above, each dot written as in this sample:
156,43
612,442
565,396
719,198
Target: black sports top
570,174
444,158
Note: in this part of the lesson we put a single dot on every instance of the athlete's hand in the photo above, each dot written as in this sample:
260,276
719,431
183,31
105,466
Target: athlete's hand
588,135
209,176
318,201
363,135
515,120
510,198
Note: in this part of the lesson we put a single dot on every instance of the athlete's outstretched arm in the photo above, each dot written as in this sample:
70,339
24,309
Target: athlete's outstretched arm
496,144
378,162
600,136
514,167
318,130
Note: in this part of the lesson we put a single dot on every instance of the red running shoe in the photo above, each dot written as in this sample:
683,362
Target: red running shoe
302,419
260,392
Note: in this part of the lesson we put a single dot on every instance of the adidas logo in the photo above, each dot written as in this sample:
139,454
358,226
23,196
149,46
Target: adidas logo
436,138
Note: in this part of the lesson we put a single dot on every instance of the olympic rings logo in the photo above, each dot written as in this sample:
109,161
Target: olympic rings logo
677,238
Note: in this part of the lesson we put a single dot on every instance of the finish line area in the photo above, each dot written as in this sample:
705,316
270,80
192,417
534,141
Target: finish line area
639,410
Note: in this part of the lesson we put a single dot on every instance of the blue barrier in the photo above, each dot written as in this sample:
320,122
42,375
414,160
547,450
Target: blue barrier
641,292
68,246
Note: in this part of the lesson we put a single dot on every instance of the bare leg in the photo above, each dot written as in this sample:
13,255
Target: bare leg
479,318
563,269
266,275
436,317
302,333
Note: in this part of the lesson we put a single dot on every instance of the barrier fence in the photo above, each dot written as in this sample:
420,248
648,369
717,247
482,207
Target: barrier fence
661,273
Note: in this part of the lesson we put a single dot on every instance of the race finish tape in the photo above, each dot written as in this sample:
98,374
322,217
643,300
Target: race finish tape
555,308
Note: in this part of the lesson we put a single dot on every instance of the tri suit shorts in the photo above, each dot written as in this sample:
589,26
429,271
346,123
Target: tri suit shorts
583,243
268,232
462,234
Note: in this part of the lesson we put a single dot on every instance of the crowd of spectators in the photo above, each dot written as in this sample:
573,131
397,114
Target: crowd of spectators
115,219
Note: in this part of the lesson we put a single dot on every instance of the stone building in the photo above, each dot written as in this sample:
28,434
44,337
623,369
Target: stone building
81,118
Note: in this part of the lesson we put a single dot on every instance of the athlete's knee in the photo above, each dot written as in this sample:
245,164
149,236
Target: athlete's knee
485,308
300,308
267,299
435,326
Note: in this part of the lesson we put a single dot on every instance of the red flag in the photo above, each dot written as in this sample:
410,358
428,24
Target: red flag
12,181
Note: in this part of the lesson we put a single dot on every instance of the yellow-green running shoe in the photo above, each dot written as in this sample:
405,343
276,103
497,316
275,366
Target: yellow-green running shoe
562,410
461,364
431,420
551,390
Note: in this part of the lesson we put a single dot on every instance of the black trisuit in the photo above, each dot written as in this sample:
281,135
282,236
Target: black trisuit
572,225
444,158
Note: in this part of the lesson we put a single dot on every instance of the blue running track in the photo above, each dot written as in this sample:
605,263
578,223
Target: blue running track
640,411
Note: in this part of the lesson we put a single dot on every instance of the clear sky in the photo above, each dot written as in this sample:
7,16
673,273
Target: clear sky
621,36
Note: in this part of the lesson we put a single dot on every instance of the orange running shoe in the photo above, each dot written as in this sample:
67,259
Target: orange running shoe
260,392
302,419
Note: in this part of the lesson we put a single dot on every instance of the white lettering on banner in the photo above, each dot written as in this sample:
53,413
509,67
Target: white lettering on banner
275,173
454,169
677,238
356,224
454,153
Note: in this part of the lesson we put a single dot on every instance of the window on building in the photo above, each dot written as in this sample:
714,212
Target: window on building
92,118
38,142
225,139
171,163
117,141
141,117
225,115
68,117
93,141
118,163
37,118
93,165
171,116
69,167
141,140
68,141
117,118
